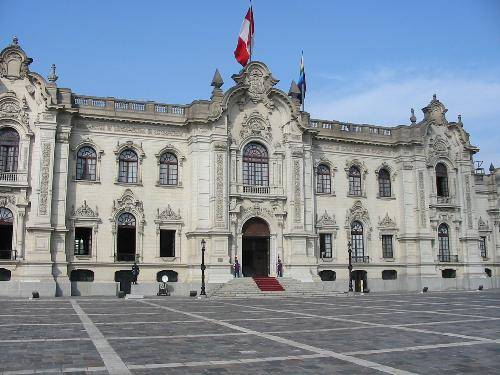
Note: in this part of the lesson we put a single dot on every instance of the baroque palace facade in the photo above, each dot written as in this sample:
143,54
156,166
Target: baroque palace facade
90,184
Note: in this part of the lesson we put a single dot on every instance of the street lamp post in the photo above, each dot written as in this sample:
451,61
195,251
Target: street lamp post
203,292
349,250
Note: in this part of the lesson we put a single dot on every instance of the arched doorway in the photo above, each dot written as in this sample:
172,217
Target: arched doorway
255,249
6,231
125,243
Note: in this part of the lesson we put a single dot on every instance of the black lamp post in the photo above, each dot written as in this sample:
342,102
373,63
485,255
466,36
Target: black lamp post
203,293
349,250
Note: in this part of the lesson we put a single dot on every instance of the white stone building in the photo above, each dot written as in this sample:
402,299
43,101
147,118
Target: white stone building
88,184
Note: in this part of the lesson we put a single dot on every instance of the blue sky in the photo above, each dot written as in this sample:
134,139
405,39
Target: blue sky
366,61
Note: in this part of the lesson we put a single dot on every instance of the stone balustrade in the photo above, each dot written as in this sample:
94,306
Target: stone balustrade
352,128
127,105
13,178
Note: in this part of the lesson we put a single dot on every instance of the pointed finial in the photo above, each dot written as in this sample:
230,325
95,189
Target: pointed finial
217,81
460,120
15,41
434,97
294,91
492,168
53,76
413,119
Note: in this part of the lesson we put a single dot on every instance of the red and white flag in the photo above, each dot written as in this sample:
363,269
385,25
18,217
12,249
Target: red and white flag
243,50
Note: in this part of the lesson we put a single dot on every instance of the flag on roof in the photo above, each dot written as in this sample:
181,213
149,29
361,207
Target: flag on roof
243,51
302,78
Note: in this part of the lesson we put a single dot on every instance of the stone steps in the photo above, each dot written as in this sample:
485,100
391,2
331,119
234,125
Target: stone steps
245,287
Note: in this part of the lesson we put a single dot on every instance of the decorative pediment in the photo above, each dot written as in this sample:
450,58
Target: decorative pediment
435,112
326,220
357,212
14,62
258,81
168,214
388,168
84,211
12,108
358,163
129,145
386,222
128,202
256,125
482,225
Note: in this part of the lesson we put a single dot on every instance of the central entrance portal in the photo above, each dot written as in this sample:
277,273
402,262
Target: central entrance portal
255,249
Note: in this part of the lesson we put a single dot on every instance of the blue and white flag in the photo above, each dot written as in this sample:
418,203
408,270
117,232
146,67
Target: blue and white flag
302,78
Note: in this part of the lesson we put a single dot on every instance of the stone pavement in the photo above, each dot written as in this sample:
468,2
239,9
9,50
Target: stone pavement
432,333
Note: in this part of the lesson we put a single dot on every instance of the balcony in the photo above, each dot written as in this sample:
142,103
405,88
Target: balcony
13,178
360,259
261,190
447,258
250,189
444,200
8,255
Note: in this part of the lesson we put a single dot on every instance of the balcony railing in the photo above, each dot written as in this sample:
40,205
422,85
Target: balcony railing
8,255
125,257
13,178
250,189
360,259
447,258
444,200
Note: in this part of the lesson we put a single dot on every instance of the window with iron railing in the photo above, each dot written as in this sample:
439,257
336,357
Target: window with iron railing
325,245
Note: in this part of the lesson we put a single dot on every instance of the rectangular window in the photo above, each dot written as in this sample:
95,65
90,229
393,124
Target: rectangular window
167,243
83,240
482,247
387,251
325,245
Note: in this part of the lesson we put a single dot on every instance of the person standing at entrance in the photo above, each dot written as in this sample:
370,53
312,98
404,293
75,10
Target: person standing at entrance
236,268
279,267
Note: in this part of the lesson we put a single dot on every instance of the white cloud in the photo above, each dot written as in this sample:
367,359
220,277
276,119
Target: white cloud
384,97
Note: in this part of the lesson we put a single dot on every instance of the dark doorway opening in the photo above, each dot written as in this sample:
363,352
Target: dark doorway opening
5,241
360,279
124,277
5,274
126,245
255,249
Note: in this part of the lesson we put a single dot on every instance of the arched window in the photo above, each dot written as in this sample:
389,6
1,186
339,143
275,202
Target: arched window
384,183
125,244
6,231
168,169
444,243
128,166
323,179
9,150
354,181
442,180
255,165
358,250
86,160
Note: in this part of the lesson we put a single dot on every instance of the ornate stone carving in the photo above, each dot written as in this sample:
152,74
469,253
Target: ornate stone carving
482,225
297,190
168,214
14,62
386,222
219,190
85,211
5,199
256,125
256,210
421,195
468,203
388,168
355,162
258,81
435,112
127,202
44,178
326,220
11,108
359,213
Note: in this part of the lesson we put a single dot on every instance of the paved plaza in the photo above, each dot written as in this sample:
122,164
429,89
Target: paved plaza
432,333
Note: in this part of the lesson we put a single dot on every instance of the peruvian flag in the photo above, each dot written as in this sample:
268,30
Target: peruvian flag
243,50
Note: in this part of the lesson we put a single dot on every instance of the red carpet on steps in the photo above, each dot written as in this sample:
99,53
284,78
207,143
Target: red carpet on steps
268,284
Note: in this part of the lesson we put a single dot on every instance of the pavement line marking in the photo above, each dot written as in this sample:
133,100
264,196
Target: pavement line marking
14,341
372,324
54,370
176,336
111,359
420,347
329,353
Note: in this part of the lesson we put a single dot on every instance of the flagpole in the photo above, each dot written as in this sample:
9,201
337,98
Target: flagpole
251,32
302,90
